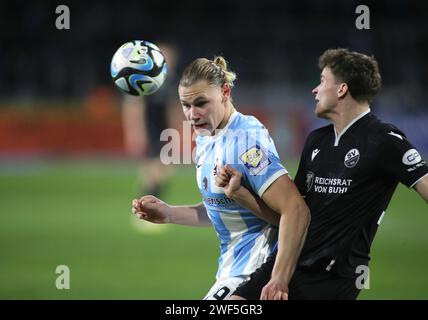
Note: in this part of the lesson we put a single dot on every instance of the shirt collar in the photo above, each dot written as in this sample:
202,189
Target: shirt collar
221,132
338,136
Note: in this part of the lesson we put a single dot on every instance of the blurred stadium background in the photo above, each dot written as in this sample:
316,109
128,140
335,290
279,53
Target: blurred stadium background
66,182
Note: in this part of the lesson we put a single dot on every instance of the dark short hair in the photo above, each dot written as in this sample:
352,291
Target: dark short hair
359,71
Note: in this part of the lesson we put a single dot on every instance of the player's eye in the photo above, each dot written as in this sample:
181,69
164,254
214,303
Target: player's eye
200,103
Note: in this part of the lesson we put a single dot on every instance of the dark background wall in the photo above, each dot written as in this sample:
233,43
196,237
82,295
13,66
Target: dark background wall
272,45
266,42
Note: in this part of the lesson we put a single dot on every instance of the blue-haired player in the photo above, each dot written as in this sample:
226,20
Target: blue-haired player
226,136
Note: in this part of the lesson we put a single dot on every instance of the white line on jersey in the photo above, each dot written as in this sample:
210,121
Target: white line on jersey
395,135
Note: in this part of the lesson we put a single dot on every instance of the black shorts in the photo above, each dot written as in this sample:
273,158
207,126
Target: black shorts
305,284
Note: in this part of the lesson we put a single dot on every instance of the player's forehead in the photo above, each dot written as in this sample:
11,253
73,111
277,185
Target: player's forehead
326,73
196,91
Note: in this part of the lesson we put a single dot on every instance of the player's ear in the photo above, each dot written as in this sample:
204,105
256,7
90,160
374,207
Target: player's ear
225,91
342,90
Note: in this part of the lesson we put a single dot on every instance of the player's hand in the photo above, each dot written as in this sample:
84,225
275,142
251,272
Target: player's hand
229,179
274,290
151,209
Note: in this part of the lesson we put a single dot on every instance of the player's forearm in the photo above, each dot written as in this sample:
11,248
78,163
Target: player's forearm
422,188
292,234
256,205
194,215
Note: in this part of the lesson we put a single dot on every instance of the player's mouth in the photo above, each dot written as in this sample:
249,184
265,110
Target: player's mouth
200,125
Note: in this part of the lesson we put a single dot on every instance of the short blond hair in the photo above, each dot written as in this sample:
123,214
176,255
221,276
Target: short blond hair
215,72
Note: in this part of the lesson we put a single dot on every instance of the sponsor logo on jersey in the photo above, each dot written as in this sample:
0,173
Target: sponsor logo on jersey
416,166
411,157
327,185
218,201
309,180
255,159
314,153
351,158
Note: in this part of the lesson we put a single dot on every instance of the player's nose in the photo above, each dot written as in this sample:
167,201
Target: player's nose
194,114
315,90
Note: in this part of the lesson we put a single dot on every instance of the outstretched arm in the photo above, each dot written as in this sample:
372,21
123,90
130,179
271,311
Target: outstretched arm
154,210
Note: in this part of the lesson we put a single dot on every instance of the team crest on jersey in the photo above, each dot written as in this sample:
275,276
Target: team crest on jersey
255,159
309,180
351,158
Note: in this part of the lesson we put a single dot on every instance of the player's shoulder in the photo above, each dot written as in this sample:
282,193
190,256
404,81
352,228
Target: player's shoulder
320,133
248,127
382,130
243,121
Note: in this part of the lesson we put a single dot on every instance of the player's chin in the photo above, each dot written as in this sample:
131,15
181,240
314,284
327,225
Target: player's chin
202,130
320,112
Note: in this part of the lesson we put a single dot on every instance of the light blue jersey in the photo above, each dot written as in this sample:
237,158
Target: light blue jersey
245,240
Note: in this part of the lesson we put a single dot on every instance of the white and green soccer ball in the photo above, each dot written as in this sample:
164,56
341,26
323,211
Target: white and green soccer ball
138,68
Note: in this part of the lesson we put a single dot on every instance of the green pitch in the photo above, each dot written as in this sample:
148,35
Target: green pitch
78,214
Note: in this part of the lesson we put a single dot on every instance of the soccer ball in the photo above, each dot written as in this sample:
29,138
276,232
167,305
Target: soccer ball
138,68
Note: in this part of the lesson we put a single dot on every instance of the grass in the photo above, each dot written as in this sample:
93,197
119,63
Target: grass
78,214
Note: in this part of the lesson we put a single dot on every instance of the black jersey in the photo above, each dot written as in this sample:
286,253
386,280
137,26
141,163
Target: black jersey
348,182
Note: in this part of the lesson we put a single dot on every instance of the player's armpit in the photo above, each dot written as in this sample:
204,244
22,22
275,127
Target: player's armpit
422,187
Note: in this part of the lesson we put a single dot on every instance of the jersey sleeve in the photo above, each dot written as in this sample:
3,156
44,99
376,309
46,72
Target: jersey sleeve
401,158
258,160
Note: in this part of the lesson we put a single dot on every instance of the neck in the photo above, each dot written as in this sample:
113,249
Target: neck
228,112
345,114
